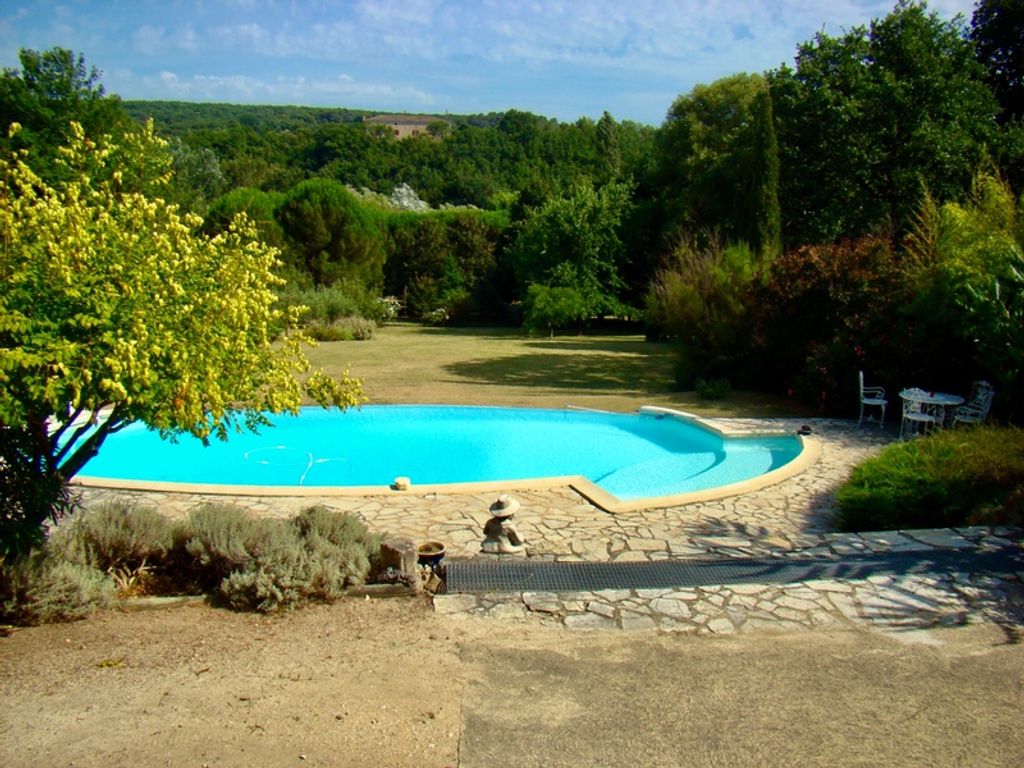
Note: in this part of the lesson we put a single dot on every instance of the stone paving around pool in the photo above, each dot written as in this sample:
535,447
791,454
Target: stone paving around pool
909,602
788,520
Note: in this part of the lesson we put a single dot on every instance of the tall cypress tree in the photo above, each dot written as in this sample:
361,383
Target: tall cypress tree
766,178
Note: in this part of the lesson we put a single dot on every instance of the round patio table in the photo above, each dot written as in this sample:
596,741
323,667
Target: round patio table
942,399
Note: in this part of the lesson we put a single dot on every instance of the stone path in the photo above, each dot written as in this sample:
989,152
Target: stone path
788,520
887,601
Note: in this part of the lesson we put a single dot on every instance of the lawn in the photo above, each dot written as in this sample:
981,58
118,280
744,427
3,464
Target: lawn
409,363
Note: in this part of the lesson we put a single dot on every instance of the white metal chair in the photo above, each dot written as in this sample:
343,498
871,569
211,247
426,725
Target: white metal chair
919,416
871,396
975,411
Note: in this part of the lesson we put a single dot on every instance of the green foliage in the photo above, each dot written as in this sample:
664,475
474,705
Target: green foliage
718,162
51,90
274,574
547,308
115,308
343,329
945,308
473,161
198,178
222,539
951,478
271,565
997,29
258,207
326,304
445,260
699,299
331,235
716,389
250,563
28,497
824,312
970,272
338,541
573,242
865,117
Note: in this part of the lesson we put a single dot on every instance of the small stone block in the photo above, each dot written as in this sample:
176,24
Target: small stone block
400,553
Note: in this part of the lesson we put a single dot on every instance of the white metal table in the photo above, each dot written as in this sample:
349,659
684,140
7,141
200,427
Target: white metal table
937,403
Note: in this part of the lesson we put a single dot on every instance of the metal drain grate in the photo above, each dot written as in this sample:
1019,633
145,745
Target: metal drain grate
478,575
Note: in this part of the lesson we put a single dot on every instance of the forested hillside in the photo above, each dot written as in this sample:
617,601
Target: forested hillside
856,208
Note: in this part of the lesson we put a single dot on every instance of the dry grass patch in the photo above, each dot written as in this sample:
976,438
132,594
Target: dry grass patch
407,363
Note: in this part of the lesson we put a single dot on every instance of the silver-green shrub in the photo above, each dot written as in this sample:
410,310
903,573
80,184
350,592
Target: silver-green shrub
115,535
222,539
40,590
271,565
341,548
277,574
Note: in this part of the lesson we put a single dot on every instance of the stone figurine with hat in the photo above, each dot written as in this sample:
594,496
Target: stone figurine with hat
500,534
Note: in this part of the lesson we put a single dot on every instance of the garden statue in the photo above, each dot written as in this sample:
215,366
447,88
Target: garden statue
500,534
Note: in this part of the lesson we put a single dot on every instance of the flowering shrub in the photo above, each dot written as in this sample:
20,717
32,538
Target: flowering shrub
388,308
437,316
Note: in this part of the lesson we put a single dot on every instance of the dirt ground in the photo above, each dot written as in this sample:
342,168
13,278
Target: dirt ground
388,683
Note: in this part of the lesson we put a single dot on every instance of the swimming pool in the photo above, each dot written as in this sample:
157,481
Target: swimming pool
631,458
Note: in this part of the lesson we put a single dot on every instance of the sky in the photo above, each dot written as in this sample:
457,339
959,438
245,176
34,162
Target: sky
564,59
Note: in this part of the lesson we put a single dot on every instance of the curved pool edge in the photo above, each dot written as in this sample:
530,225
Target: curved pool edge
809,454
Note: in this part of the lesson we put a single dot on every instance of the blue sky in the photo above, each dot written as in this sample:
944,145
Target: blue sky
562,59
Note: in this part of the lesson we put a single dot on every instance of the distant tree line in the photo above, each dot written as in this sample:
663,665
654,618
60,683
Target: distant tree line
853,209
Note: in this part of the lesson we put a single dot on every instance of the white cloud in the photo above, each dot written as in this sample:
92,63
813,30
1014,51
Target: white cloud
147,39
154,41
338,89
620,55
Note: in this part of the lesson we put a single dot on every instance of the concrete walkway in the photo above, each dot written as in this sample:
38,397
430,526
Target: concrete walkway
788,520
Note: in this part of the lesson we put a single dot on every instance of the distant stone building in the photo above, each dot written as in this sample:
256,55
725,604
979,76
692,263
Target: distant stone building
404,126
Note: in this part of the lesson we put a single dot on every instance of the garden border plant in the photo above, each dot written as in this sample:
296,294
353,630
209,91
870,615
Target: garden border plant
242,561
951,478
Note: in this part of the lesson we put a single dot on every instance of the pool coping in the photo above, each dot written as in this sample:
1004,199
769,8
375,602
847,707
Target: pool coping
808,456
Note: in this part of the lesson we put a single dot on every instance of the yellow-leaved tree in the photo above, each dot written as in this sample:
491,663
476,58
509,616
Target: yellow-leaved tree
115,308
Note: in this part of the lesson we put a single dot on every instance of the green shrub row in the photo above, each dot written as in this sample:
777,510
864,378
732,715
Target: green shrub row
951,478
343,329
327,305
242,561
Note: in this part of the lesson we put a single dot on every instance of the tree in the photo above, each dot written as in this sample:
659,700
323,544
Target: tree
573,242
114,308
50,90
198,178
764,174
332,235
609,155
969,260
699,298
866,117
997,29
718,162
258,206
549,308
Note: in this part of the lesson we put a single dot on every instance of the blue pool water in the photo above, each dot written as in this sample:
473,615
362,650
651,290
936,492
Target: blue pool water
631,456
